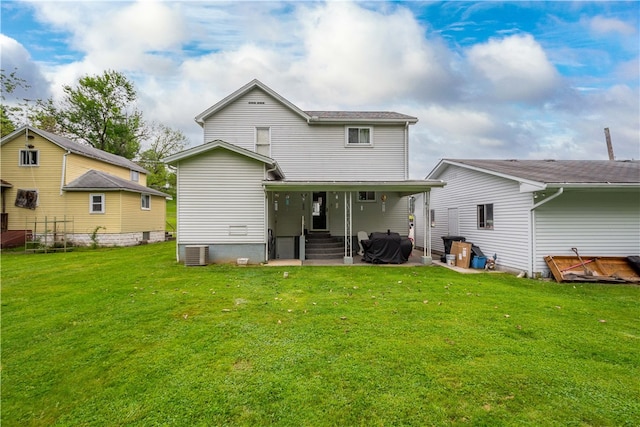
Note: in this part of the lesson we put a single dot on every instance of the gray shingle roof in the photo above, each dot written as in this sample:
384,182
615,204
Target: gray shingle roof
562,171
360,115
102,181
82,150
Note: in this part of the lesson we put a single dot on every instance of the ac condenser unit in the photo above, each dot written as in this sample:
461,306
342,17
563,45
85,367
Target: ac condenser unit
196,255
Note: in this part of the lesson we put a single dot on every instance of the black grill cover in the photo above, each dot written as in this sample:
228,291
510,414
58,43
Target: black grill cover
386,248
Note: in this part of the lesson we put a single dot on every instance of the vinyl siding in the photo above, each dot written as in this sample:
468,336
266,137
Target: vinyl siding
77,208
134,218
44,178
287,221
605,223
79,165
218,190
309,152
72,206
466,189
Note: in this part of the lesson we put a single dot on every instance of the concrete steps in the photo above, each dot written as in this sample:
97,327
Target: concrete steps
324,246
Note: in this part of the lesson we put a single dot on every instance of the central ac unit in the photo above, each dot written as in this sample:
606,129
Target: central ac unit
196,255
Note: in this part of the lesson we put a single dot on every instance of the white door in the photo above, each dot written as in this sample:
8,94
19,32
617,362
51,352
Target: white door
453,222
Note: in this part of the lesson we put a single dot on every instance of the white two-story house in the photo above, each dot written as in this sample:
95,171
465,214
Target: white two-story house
270,176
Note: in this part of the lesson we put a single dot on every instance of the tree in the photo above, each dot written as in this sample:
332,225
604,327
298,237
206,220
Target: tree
164,142
99,111
9,114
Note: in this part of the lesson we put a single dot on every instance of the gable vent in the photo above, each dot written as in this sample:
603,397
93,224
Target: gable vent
196,255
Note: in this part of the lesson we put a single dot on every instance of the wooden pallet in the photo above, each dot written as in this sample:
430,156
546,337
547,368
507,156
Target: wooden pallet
567,268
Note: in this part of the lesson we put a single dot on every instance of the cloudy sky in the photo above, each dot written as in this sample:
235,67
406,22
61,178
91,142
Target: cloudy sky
526,80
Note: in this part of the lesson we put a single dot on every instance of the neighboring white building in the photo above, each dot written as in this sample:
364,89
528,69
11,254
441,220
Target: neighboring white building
522,210
269,172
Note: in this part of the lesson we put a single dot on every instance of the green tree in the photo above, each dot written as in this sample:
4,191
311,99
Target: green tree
164,142
100,111
9,114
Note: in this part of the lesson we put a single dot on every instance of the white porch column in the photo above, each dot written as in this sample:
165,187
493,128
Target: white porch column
348,225
426,215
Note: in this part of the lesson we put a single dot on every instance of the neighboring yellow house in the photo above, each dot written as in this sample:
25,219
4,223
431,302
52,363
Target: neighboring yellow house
79,192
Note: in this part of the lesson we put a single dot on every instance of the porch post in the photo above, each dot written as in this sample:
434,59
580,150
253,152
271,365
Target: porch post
426,215
348,224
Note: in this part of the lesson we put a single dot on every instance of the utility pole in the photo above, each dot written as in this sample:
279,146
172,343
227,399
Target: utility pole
609,145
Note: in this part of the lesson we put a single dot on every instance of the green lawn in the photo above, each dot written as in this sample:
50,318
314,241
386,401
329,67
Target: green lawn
115,337
171,215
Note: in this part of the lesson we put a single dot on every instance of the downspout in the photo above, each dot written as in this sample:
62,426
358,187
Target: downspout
406,150
532,217
64,170
178,213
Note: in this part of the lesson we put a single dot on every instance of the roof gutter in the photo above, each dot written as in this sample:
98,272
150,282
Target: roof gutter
548,199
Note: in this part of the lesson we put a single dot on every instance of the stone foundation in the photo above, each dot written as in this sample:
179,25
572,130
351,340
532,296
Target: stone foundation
121,239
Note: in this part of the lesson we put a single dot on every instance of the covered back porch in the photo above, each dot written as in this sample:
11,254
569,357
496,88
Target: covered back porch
300,213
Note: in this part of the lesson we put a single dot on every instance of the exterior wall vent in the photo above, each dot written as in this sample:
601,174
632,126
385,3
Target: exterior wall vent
196,255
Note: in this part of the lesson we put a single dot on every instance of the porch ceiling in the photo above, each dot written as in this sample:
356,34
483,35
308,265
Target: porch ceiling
405,188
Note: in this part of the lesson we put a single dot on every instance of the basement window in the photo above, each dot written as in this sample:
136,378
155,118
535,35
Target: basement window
485,216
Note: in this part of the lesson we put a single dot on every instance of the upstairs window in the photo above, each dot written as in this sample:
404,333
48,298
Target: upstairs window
29,158
485,216
359,136
135,176
263,141
145,202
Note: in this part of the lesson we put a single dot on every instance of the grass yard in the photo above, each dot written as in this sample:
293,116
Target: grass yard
128,337
171,218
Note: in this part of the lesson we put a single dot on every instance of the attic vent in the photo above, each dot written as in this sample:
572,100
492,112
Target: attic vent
196,255
256,102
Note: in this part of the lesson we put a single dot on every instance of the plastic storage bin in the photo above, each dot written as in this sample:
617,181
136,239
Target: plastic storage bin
478,262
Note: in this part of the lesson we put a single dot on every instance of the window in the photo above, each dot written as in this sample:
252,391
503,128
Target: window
485,216
96,203
366,196
135,176
145,201
359,136
27,199
263,141
28,157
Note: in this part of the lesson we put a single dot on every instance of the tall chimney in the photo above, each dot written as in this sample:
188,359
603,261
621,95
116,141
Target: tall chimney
609,146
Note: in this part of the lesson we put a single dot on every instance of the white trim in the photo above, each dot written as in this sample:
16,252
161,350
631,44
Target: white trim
103,203
28,150
255,140
367,200
357,144
142,198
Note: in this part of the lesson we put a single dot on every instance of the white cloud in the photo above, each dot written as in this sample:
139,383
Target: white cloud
502,98
600,24
140,36
357,56
516,67
15,58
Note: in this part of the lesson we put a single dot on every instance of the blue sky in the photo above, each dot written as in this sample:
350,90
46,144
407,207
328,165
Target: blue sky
524,80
